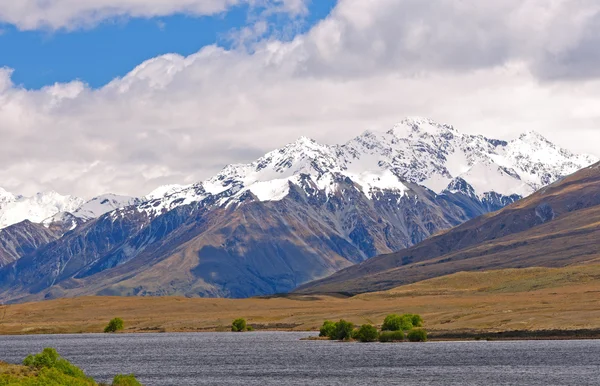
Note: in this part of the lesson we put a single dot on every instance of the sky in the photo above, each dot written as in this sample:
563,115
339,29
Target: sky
122,96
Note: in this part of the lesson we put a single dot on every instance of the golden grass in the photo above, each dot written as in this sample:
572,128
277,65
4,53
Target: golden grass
512,299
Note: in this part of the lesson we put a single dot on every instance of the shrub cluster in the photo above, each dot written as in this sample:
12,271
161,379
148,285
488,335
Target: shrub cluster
393,330
114,325
395,322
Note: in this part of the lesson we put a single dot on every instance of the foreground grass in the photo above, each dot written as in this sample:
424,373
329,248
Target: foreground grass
506,300
48,368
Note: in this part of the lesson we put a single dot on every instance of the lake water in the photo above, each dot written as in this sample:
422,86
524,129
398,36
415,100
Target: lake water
271,358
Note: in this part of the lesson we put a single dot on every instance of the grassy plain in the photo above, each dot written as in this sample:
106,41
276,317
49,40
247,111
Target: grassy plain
504,300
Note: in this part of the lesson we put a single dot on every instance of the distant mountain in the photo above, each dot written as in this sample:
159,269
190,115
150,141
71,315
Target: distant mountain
48,207
28,223
14,208
296,214
555,227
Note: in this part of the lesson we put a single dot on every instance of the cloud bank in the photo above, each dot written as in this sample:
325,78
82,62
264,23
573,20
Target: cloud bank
497,68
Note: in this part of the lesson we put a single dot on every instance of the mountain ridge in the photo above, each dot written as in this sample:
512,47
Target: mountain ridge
554,227
297,214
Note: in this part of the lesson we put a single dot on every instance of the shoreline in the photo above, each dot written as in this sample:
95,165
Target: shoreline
433,335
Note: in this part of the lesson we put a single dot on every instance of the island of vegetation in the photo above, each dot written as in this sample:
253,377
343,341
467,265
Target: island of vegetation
116,324
240,325
48,368
395,328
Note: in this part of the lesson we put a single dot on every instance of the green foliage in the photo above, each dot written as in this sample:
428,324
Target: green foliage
395,322
50,359
367,333
48,368
238,325
44,377
125,380
343,330
249,328
406,322
115,325
417,335
391,336
417,320
327,329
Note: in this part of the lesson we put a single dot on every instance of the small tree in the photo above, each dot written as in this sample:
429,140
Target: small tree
343,330
238,325
417,335
114,325
367,333
327,329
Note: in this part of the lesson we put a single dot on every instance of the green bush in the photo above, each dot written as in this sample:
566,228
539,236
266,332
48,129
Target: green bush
327,329
249,328
391,336
114,325
367,333
395,322
417,335
238,325
50,359
48,368
417,320
125,380
343,330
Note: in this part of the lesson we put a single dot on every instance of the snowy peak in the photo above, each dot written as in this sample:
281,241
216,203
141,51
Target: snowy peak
165,190
51,207
36,208
6,197
424,152
414,127
416,150
100,205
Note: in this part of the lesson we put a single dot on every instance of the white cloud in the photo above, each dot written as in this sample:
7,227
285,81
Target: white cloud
70,14
178,119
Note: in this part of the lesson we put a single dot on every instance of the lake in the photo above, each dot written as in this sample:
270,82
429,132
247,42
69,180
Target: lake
275,358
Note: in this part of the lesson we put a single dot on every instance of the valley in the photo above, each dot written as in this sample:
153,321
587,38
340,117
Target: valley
462,304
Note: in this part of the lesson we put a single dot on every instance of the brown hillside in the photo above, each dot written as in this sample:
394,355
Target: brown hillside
504,300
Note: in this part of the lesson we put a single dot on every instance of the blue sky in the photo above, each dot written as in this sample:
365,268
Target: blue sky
98,54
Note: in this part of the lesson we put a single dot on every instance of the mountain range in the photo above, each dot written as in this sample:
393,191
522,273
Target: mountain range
557,226
297,214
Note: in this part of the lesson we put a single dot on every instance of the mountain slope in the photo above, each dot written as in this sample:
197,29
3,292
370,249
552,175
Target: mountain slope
557,226
299,213
22,239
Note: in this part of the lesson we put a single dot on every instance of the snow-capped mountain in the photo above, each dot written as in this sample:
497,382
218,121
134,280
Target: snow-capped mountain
417,150
296,214
51,207
14,209
90,210
100,205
